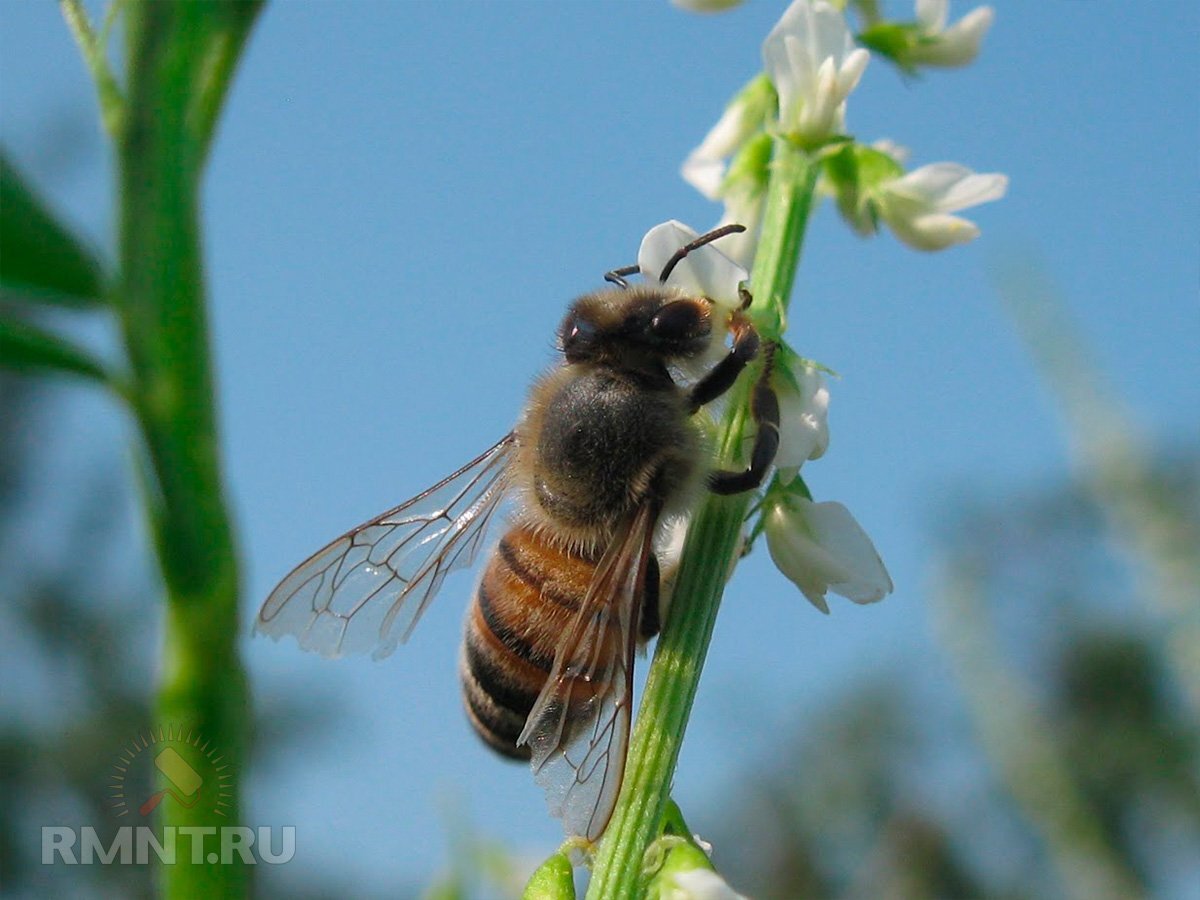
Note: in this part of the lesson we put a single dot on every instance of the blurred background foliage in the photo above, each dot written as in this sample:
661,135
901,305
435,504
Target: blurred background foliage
1068,705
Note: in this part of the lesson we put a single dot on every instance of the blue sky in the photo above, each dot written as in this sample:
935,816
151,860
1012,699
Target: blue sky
403,199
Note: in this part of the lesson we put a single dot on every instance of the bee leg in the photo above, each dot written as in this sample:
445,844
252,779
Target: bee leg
764,406
649,625
722,376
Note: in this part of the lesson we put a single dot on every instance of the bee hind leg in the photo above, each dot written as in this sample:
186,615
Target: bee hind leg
764,406
649,624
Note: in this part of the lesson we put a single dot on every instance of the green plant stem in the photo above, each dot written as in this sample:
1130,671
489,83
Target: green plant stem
112,104
713,542
160,299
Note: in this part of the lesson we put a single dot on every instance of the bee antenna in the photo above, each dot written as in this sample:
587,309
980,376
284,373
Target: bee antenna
617,276
699,242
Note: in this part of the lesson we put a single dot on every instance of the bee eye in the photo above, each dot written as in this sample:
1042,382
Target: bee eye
578,335
678,321
580,330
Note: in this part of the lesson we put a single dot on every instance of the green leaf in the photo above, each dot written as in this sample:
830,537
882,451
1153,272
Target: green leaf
27,348
38,256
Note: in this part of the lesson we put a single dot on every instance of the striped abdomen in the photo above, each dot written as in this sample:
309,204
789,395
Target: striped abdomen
526,600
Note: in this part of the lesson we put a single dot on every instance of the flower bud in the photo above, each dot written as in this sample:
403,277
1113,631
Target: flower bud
553,880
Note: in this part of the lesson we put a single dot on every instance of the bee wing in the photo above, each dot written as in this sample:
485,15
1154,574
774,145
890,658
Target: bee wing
367,589
578,730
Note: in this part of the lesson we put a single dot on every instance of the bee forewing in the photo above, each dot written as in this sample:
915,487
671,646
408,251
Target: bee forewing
578,729
366,591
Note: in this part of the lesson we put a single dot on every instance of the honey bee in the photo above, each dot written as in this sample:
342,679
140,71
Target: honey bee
604,453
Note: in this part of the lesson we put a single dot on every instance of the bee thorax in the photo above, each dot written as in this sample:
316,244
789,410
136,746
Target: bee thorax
607,442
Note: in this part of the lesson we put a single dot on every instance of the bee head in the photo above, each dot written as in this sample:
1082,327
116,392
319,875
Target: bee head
632,328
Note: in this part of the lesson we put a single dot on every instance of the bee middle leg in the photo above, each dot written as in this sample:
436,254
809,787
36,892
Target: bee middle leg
721,377
764,406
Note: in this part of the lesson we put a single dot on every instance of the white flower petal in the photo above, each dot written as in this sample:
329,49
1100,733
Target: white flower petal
705,272
957,45
898,152
836,529
931,14
821,548
702,884
851,71
704,174
948,187
973,190
915,205
660,244
929,183
798,557
705,166
936,231
811,59
743,207
803,421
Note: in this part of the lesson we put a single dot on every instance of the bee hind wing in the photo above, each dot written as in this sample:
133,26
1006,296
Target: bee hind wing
365,591
578,730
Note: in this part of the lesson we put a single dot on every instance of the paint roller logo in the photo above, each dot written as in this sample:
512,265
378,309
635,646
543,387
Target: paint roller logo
186,768
179,775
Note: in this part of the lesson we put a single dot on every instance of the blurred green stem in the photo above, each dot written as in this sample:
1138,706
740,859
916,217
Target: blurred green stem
1111,456
173,93
713,542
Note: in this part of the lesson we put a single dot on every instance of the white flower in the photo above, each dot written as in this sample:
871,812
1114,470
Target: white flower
706,166
701,884
811,59
744,202
704,169
887,146
705,272
916,206
731,164
937,45
821,548
803,414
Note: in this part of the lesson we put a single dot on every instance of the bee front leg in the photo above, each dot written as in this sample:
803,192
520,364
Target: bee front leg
764,406
722,376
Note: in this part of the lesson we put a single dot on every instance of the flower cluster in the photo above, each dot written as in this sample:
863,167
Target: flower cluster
928,41
812,65
811,59
871,187
818,546
813,62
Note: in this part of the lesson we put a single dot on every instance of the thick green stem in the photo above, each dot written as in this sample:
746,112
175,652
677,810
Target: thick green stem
713,542
161,303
